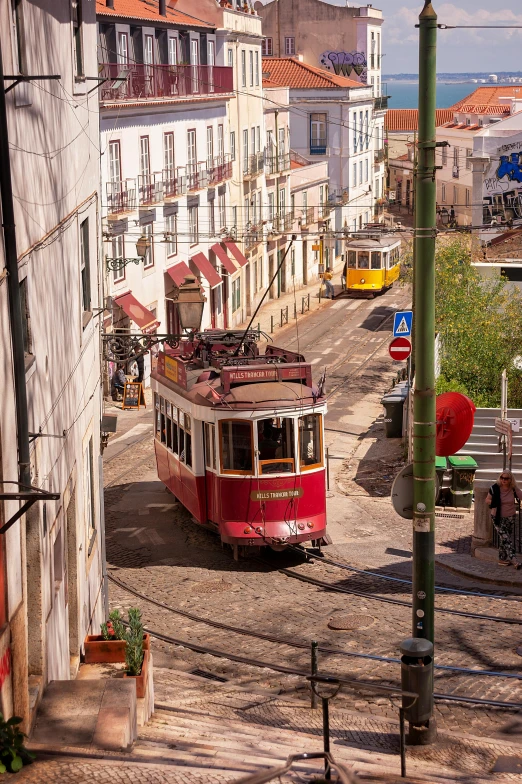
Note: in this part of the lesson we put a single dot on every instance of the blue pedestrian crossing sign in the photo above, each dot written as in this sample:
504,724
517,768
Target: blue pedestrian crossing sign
402,324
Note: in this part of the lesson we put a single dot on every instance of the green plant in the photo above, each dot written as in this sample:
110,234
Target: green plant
114,629
134,649
13,754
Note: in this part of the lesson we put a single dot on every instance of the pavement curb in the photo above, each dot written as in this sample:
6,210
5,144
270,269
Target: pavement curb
472,574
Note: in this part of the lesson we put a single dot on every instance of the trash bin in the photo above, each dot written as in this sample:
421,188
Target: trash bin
441,465
393,404
462,479
417,677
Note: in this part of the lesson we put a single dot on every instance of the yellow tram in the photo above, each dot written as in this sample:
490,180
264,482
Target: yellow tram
372,263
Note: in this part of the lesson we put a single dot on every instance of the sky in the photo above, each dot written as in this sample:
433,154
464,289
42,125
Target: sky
457,50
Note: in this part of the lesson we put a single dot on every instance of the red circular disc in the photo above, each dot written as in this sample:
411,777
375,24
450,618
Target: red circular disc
400,349
455,416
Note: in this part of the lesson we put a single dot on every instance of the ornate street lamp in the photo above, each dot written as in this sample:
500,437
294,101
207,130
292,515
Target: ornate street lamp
190,302
118,263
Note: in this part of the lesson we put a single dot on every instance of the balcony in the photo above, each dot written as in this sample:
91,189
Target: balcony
221,169
381,103
456,172
324,211
140,82
150,188
253,165
197,176
282,222
318,146
174,183
121,196
276,164
379,156
307,216
253,236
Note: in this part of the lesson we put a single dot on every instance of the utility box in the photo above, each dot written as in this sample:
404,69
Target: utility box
417,677
462,479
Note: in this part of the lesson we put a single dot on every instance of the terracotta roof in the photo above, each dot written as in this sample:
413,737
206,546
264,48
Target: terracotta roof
408,119
472,108
296,164
290,72
270,83
461,126
488,96
148,9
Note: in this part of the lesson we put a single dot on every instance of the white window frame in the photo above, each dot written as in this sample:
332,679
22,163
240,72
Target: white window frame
289,46
171,229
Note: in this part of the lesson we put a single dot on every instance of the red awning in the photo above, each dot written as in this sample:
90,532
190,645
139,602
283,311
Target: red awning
234,250
179,272
224,259
136,312
207,270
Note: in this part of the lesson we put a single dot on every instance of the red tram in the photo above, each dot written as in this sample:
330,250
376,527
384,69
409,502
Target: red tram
239,439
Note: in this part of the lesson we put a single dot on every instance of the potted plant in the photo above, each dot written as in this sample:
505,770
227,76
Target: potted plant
109,646
13,754
136,655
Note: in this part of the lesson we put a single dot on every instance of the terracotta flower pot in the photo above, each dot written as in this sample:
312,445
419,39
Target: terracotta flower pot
141,679
100,651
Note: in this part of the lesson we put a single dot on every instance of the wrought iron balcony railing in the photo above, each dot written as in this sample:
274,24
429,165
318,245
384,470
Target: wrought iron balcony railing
381,102
174,182
121,196
379,155
456,172
221,169
197,176
253,165
141,82
307,216
277,163
150,188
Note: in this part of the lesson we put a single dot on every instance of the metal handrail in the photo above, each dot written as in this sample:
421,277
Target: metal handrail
345,775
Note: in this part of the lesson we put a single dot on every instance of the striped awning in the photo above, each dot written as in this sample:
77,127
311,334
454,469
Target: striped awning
207,270
135,311
234,250
179,272
226,261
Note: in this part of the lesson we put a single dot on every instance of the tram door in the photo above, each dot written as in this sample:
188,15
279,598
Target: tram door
211,485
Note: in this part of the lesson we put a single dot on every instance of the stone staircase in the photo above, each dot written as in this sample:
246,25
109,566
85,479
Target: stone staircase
482,445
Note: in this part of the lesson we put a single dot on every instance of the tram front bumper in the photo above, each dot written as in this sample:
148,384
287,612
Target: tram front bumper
279,533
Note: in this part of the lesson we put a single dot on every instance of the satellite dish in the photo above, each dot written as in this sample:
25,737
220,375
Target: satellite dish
455,417
402,492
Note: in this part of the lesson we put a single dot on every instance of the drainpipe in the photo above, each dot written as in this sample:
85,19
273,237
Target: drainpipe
13,292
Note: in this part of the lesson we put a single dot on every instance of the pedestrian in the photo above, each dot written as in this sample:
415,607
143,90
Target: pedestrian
118,383
344,276
501,500
452,220
140,362
327,277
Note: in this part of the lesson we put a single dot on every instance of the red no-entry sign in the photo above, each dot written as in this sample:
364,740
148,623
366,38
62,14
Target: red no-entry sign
400,348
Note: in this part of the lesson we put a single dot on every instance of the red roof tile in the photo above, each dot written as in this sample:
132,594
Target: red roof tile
488,96
408,119
147,9
290,72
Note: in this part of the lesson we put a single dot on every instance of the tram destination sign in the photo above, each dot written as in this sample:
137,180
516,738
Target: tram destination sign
276,495
171,368
251,374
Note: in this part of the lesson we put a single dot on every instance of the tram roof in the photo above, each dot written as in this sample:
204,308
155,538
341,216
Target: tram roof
374,242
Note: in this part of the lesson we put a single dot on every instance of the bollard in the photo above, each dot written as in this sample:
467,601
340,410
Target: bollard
259,328
287,314
402,742
295,310
417,677
271,323
313,669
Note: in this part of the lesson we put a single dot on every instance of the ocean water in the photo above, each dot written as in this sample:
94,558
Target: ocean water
404,95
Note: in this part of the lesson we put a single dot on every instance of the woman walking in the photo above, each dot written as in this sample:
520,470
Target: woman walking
501,500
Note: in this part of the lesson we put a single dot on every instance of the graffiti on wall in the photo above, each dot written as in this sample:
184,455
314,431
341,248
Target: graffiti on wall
502,189
350,64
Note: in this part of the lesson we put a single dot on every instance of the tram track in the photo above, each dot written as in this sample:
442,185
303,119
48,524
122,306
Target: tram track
293,643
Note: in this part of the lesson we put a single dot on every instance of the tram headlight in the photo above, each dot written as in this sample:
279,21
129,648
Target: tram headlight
310,525
247,530
362,280
301,526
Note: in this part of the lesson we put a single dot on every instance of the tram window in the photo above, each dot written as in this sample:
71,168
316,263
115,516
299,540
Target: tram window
208,446
188,441
168,422
352,259
385,258
275,439
236,446
174,430
376,259
364,259
310,442
213,433
158,415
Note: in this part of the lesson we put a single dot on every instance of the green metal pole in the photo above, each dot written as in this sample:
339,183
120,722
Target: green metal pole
424,427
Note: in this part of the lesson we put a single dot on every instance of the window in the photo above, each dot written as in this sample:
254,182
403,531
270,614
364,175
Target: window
76,11
185,439
26,318
258,138
220,144
243,68
210,446
292,262
173,51
455,195
292,206
444,156
245,151
251,60
318,133
352,259
222,211
232,145
310,442
211,218
148,259
171,230
360,172
305,201
253,141
236,446
174,430
246,215
114,162
85,265
193,225
455,156
118,253
289,46
123,49
210,147
321,199
467,197
364,258
236,294
366,170
282,202
275,441
469,153
267,48
354,175
355,134
194,61
281,141
168,153
230,58
366,129
18,34
271,206
443,192
191,148
144,156
257,69
375,260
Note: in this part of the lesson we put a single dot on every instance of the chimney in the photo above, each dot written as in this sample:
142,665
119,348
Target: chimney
163,7
110,4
